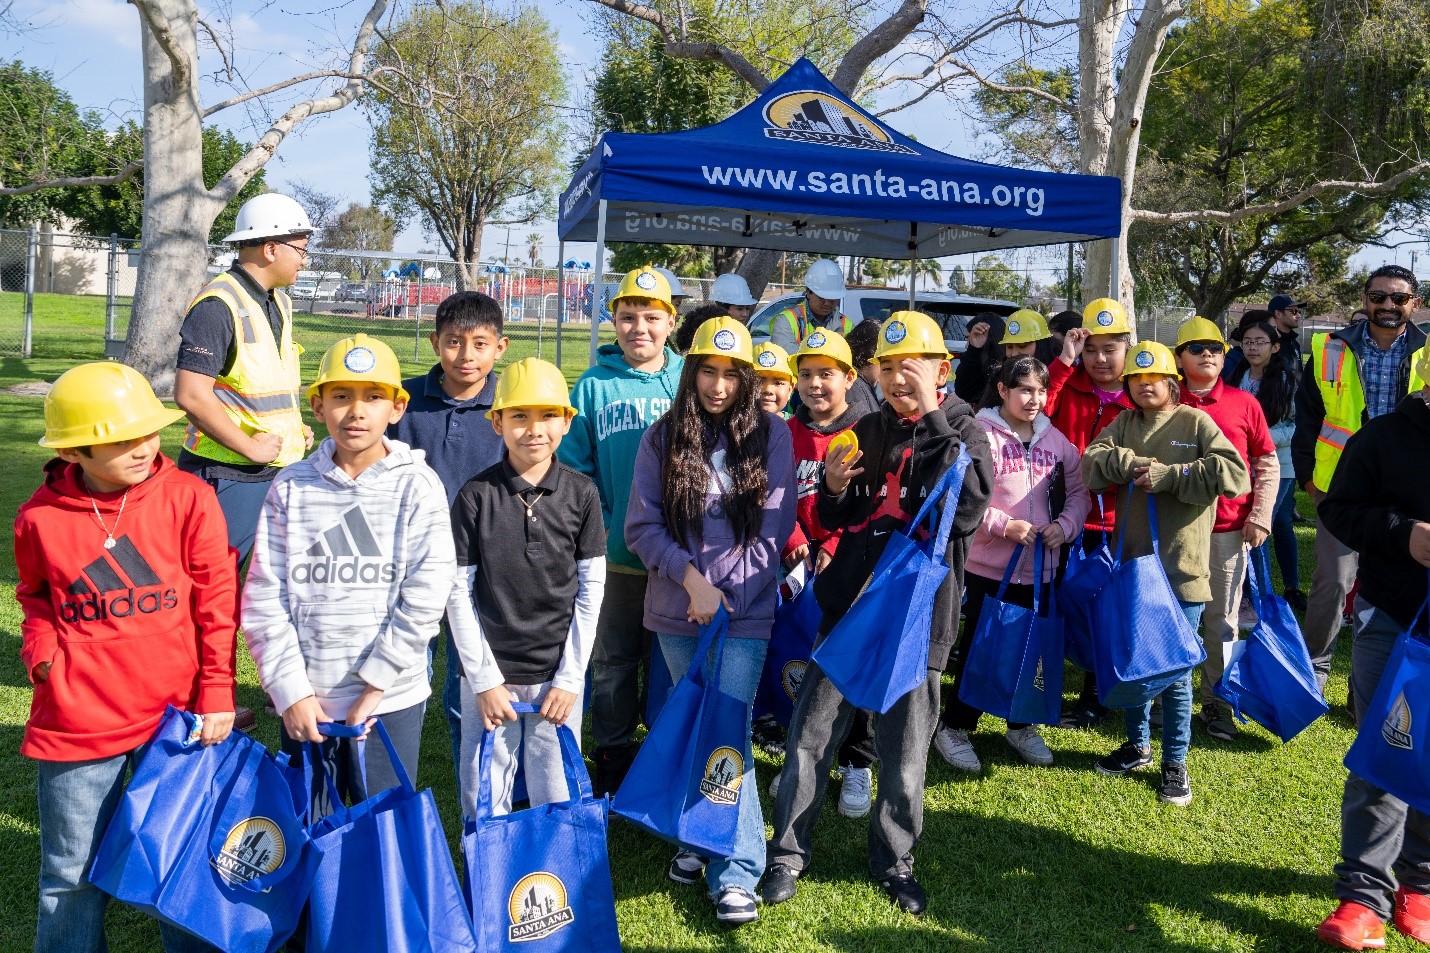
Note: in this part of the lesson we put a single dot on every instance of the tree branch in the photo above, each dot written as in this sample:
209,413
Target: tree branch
223,54
1285,205
878,42
163,34
119,178
678,44
292,81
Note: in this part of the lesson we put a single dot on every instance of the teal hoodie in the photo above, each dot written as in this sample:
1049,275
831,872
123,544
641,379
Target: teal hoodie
616,404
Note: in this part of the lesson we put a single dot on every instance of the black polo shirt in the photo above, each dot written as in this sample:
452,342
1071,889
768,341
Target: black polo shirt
525,541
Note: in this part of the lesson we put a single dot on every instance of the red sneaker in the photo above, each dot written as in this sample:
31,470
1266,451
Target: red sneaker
1412,915
1353,926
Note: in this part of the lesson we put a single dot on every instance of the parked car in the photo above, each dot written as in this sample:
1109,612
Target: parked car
351,291
950,310
304,288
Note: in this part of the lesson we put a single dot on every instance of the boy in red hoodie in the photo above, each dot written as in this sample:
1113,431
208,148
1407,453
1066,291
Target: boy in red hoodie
129,593
1084,396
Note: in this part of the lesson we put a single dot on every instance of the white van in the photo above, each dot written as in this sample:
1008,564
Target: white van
950,310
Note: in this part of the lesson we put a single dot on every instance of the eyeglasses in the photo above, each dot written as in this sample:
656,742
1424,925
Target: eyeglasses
1400,298
1211,347
297,248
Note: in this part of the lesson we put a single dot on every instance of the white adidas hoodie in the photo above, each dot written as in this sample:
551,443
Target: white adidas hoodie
349,580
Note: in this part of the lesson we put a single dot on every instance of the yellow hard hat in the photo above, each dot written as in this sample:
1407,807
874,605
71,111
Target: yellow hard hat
770,358
1199,328
359,359
1150,357
1024,327
531,382
723,337
648,283
913,333
1105,316
103,402
830,344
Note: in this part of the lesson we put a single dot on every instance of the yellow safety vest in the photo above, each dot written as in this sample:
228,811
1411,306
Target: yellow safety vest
260,393
799,322
1338,378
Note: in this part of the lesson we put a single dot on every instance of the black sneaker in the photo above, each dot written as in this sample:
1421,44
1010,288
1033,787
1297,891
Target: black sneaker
1127,758
736,905
906,893
779,883
611,767
686,867
1219,722
767,733
1085,714
1296,599
1176,787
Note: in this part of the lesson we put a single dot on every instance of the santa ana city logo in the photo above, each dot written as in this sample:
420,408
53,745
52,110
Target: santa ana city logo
538,907
1144,359
1104,319
253,848
725,340
817,339
896,332
724,772
360,360
766,359
1014,327
792,677
821,119
645,281
1038,676
1396,729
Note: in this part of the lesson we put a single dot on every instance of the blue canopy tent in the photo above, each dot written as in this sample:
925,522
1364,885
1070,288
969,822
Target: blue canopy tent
802,168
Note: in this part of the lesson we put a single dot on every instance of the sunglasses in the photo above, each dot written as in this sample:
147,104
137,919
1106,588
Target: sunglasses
1210,347
1400,298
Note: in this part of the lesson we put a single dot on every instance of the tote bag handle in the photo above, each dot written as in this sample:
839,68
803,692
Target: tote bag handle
578,782
1151,524
948,489
1038,583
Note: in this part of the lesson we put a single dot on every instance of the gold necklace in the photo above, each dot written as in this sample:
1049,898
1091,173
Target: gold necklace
108,536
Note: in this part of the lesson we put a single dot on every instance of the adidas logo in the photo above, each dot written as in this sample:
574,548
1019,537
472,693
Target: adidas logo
346,552
117,585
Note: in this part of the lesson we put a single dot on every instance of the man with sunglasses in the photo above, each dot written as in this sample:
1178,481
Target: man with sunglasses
238,378
1242,523
1353,375
1286,314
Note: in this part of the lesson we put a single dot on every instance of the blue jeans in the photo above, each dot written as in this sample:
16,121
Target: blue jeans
241,504
77,799
1176,709
1283,535
739,677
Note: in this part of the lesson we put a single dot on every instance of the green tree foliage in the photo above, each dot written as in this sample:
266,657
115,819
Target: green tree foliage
1033,131
359,228
993,278
46,137
472,130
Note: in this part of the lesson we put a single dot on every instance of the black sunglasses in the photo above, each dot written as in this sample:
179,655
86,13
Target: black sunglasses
1400,298
1197,347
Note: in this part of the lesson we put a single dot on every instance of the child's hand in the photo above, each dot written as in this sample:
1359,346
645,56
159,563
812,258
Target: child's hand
301,719
1140,478
797,555
839,468
922,375
42,672
218,725
1019,531
495,706
1053,535
821,560
361,711
705,599
1073,343
557,706
1254,535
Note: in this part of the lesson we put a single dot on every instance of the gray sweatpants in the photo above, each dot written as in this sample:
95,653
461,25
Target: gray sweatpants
1331,581
1384,842
529,743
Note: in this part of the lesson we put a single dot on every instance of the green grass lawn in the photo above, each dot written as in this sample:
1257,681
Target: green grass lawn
1019,858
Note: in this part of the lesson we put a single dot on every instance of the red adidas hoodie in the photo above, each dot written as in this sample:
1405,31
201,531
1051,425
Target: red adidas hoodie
1080,415
128,630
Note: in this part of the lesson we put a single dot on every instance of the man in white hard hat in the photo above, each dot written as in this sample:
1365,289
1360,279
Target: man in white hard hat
678,295
238,378
823,291
732,294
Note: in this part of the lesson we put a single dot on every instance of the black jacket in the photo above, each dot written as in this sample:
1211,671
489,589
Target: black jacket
905,458
1377,494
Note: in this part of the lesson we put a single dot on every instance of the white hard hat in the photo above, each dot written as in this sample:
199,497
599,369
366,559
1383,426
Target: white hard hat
675,290
269,215
731,289
825,279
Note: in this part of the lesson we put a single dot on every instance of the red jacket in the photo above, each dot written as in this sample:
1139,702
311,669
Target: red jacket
1243,422
1080,415
128,630
810,445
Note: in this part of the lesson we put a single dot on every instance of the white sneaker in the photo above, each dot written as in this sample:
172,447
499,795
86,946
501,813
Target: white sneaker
775,784
956,749
854,793
1030,746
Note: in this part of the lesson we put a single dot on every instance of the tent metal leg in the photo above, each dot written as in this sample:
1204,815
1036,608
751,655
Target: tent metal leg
560,294
598,268
913,262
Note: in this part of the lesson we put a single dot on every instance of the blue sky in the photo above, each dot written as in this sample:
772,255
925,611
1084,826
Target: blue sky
92,48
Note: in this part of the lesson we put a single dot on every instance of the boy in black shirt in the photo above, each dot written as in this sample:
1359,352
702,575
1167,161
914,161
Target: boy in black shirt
531,543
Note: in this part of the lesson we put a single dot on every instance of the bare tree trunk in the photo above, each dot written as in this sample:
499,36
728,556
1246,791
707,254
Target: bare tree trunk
757,267
178,209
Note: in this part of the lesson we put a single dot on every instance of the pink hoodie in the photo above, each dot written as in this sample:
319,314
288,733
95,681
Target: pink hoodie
1020,492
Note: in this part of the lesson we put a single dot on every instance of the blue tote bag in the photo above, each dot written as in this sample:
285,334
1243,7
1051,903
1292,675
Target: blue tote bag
791,642
1270,679
1085,576
211,839
540,879
879,651
1392,748
686,782
1015,658
1142,641
385,879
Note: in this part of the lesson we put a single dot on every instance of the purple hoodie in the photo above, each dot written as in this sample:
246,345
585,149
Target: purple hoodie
748,577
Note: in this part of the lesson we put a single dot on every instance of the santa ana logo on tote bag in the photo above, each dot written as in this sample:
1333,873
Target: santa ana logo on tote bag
1396,727
538,907
253,847
724,771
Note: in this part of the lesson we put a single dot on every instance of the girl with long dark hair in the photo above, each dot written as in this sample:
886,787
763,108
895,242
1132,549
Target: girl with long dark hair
712,503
